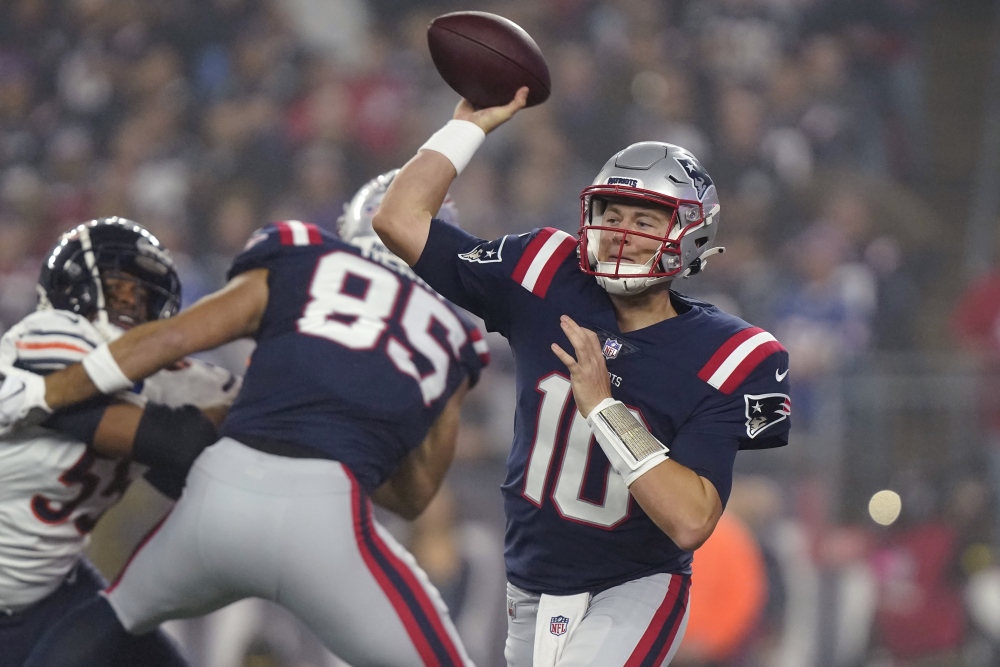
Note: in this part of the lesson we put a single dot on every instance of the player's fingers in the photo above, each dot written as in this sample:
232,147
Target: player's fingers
520,99
493,117
593,342
572,328
564,357
575,335
585,341
515,105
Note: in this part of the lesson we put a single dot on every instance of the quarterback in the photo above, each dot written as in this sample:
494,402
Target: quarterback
610,487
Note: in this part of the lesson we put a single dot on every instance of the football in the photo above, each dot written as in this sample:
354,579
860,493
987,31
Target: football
485,58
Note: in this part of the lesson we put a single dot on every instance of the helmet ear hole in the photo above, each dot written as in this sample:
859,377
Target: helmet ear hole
699,242
74,272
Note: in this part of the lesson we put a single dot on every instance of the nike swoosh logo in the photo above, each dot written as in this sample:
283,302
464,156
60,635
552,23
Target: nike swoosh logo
780,376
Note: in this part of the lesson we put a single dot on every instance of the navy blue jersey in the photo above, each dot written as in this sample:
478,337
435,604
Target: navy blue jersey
355,356
705,383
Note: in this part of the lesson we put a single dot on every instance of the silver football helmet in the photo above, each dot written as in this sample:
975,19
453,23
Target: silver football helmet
666,177
356,220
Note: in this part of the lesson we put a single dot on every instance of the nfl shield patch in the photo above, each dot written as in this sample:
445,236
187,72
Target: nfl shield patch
558,625
611,348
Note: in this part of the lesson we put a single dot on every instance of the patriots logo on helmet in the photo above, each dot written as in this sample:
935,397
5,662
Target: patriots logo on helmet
699,177
611,348
765,410
485,253
558,625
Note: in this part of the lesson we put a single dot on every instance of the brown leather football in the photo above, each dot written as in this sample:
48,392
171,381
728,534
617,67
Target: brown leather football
485,58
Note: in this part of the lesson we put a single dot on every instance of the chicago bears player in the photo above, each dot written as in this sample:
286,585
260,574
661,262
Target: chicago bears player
56,480
352,392
600,536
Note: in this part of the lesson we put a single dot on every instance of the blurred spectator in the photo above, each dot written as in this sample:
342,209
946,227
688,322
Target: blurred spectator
318,191
207,119
920,618
823,315
975,324
18,273
882,38
836,119
728,593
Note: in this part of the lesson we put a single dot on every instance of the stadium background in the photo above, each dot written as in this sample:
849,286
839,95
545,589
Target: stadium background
856,147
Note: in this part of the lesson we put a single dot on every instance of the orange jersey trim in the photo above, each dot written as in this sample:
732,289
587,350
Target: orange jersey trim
50,346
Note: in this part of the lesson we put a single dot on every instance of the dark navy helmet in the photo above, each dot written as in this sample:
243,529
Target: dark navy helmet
96,251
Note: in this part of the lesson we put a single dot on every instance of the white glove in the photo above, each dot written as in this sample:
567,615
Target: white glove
193,382
22,399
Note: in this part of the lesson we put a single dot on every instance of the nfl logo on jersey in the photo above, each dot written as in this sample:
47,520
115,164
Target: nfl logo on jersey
611,348
558,625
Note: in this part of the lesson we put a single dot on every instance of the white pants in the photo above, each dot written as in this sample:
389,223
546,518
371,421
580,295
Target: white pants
636,624
298,532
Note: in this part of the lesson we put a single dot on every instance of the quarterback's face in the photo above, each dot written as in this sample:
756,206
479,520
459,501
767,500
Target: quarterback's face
626,218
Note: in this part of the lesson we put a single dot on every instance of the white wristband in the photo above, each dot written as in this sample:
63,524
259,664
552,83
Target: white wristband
104,371
458,141
629,446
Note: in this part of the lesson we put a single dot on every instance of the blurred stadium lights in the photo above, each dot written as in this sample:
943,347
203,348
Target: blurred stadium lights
884,507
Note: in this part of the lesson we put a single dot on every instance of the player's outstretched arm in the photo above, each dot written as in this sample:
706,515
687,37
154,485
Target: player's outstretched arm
403,220
683,504
233,312
418,477
404,217
154,434
166,439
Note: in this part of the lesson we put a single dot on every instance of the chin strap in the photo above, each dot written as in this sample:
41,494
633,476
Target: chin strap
698,265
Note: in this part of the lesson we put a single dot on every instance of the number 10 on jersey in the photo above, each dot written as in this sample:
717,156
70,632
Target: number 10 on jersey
556,391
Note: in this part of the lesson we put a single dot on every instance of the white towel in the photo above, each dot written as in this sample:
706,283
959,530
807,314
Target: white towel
558,616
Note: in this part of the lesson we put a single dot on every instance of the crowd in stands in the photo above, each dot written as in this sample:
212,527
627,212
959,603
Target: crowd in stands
205,119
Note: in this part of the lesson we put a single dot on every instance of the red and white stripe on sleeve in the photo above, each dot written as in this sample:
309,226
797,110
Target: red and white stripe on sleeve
294,232
480,346
736,359
544,254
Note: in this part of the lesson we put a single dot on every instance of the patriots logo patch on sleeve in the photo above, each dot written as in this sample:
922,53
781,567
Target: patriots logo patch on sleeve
485,253
766,410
